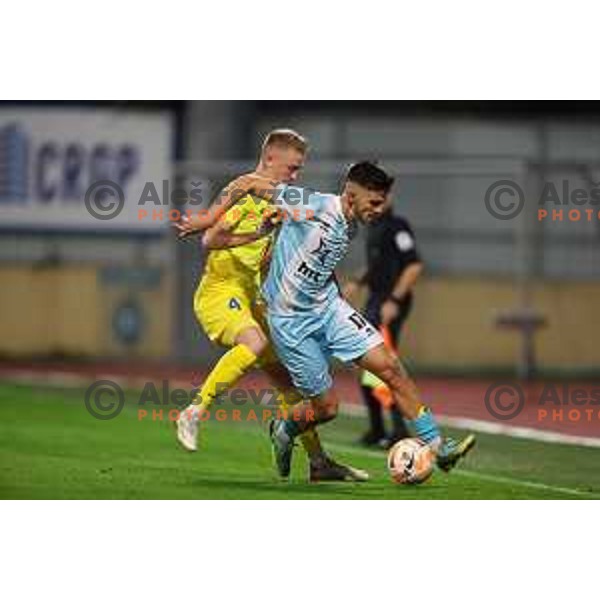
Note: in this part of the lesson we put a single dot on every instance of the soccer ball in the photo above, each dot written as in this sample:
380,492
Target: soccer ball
410,461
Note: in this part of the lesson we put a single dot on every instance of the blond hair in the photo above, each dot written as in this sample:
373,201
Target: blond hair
285,138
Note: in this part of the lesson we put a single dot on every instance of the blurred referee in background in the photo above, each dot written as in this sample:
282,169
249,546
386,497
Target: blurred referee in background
393,268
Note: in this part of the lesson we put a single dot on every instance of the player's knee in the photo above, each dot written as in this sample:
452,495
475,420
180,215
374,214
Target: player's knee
331,411
326,411
260,346
255,340
325,414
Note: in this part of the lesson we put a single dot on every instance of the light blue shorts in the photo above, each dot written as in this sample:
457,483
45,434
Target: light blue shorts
306,343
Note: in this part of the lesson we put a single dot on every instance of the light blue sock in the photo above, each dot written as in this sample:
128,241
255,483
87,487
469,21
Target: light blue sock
425,427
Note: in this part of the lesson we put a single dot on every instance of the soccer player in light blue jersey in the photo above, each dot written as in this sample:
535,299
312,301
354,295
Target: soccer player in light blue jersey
311,323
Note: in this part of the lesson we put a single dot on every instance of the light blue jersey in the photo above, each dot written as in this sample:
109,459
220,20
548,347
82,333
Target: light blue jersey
306,252
309,321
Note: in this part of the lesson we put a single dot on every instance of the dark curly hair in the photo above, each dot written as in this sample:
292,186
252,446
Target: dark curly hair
370,176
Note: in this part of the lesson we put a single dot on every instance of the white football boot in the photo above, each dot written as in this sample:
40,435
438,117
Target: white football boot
187,429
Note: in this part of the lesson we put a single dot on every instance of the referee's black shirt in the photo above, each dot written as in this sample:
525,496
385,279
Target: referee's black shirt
391,248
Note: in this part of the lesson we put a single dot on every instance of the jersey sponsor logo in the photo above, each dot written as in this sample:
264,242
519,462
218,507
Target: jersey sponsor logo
305,271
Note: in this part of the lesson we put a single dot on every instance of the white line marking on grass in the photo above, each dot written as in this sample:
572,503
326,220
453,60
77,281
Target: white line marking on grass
528,433
48,379
523,483
514,431
475,474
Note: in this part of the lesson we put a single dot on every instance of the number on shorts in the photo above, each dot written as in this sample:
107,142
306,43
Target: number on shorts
234,304
358,320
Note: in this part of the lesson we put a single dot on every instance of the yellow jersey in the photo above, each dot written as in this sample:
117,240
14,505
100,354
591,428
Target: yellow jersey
241,263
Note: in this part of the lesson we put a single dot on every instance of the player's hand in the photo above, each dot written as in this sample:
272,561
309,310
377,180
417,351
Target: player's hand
258,185
389,311
270,222
189,225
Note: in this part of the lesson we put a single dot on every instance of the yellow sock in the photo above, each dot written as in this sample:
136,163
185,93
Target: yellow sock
312,444
226,373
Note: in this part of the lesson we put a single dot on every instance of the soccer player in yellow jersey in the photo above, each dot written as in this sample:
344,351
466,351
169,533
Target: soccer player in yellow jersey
227,301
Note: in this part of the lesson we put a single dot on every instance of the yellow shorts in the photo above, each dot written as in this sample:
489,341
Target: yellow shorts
224,309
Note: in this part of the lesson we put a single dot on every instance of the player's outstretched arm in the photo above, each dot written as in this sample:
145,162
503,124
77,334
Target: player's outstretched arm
250,183
220,236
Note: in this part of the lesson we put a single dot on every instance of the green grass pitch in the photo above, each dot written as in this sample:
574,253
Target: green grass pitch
50,447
